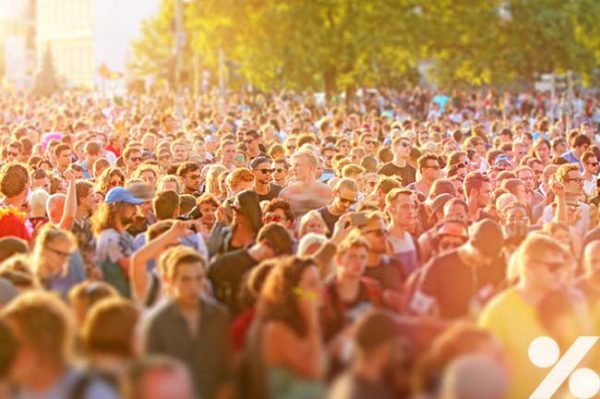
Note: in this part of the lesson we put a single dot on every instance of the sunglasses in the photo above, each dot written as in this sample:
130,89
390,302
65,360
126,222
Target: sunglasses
265,171
347,201
59,253
135,159
273,219
436,167
115,183
164,157
594,164
575,179
281,170
370,142
248,141
405,144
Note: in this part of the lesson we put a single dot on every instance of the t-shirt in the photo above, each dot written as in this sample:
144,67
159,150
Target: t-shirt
13,226
110,248
389,273
455,288
329,218
352,386
273,193
66,385
515,324
405,252
407,173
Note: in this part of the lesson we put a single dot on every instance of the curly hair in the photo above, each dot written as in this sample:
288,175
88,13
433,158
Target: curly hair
103,184
278,300
13,179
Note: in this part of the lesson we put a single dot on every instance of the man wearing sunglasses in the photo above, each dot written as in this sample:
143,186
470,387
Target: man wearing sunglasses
345,194
429,167
544,267
263,175
189,174
132,157
252,144
399,165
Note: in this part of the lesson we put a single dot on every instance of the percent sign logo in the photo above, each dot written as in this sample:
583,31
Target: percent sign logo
544,352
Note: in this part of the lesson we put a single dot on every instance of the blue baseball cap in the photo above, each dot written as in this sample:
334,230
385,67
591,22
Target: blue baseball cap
120,194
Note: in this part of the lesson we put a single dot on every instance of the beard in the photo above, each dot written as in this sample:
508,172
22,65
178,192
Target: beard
126,220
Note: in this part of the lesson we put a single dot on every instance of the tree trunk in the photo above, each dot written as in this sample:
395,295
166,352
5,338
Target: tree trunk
350,95
329,78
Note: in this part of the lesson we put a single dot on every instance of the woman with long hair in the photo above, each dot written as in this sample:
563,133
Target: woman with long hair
110,178
285,357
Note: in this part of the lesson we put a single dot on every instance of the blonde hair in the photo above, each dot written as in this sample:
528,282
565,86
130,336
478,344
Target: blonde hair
307,217
212,179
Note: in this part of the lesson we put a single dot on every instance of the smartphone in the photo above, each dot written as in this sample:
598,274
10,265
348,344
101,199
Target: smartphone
358,219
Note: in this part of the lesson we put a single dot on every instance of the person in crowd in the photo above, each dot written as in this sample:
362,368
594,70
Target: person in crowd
227,271
262,168
191,328
40,324
304,192
157,377
345,195
285,355
401,206
375,337
543,267
113,244
458,283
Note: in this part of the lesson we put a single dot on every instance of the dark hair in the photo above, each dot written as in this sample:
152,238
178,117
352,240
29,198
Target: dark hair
277,237
187,167
13,179
165,203
278,300
8,349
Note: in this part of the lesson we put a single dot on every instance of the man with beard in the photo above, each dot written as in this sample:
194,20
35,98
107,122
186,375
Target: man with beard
114,244
345,195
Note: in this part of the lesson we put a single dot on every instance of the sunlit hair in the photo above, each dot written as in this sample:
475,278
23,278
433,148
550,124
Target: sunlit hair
160,186
239,176
312,159
145,168
306,218
562,171
212,179
103,184
535,245
43,321
48,234
87,293
13,179
106,216
109,328
278,300
176,256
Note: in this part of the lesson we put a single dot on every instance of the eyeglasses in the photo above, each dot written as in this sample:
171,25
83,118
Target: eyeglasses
436,167
575,179
135,159
164,157
58,252
291,147
405,144
265,171
274,218
13,154
281,170
114,183
370,142
377,232
594,164
248,141
347,201
194,177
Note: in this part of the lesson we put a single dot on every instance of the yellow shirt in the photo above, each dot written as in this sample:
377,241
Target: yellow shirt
515,324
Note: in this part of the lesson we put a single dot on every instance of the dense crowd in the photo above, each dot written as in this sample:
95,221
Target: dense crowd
410,245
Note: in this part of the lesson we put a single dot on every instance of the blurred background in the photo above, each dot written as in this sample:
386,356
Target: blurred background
331,47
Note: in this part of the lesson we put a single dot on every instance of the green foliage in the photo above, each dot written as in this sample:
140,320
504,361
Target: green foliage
335,45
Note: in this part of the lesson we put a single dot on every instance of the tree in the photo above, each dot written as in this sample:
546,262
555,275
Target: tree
46,82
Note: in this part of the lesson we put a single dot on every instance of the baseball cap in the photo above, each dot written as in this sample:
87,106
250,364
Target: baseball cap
120,194
487,238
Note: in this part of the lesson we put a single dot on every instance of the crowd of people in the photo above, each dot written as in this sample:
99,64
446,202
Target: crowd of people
410,245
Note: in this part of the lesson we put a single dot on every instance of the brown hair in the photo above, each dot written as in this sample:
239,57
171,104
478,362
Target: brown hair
110,326
13,179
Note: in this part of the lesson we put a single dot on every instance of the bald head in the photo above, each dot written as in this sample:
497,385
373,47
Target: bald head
591,257
55,207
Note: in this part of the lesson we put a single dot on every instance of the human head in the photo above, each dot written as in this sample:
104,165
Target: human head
42,327
401,205
429,166
189,174
83,296
401,147
543,264
276,238
345,195
312,222
109,328
303,165
351,256
166,205
262,169
157,377
479,187
14,180
86,197
239,180
51,251
179,149
184,269
569,175
132,157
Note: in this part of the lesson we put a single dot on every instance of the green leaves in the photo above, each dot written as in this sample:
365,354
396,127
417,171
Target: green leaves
333,45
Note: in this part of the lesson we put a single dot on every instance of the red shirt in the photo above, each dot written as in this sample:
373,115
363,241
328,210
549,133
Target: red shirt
13,226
